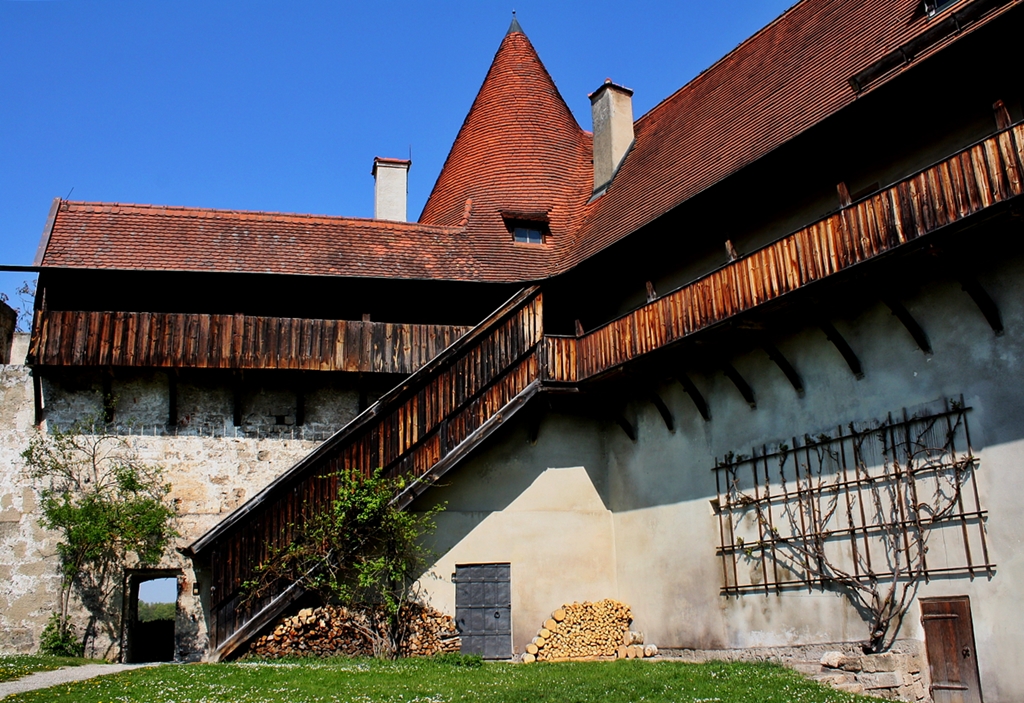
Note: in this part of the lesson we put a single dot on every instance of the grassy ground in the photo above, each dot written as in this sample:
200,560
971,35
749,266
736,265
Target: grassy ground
14,666
425,681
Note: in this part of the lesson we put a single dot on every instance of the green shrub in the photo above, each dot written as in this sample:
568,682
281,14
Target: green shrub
59,639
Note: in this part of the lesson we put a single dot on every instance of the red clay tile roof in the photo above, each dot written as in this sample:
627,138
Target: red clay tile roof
780,82
519,151
783,80
150,237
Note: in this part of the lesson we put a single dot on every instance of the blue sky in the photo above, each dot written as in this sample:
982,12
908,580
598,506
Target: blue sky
281,106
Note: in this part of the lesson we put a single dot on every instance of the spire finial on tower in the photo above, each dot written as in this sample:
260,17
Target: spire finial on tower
514,27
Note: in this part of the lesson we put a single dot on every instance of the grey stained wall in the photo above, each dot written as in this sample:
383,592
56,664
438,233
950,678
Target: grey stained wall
212,467
585,513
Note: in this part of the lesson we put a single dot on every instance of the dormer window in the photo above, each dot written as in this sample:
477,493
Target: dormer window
527,231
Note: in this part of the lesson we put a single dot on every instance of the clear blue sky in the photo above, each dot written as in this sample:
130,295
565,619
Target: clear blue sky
281,106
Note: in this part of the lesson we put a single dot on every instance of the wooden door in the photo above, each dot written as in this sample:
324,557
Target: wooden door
949,642
483,609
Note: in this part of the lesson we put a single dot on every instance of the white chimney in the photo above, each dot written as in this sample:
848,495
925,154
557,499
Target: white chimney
612,108
391,188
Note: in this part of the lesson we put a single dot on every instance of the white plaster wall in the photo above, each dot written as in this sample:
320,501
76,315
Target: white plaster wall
536,507
661,558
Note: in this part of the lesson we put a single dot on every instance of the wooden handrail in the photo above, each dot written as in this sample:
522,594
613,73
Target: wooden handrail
423,425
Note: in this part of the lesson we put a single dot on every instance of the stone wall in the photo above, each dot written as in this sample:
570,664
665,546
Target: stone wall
899,674
212,466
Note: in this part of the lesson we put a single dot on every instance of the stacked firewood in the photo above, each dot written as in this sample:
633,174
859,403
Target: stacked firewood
336,631
587,631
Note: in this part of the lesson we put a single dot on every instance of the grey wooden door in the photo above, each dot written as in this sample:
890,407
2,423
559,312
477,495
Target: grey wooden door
949,641
483,609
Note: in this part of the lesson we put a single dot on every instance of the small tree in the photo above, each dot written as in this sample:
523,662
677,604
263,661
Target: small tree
107,505
363,553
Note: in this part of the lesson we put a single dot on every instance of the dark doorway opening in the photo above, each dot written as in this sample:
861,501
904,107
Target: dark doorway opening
483,609
150,613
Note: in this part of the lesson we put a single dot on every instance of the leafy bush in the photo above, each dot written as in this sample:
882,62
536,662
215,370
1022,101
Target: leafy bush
362,552
106,504
59,639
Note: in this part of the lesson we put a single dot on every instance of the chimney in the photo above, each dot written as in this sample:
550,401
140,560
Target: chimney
612,108
391,188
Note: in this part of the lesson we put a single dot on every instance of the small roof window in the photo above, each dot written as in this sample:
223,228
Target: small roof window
527,231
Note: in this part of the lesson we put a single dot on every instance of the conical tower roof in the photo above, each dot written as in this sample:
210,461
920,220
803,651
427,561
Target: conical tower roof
519,152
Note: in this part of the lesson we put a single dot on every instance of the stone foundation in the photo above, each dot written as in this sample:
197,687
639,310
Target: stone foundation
899,674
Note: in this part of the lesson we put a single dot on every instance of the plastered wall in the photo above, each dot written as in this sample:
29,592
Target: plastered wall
586,513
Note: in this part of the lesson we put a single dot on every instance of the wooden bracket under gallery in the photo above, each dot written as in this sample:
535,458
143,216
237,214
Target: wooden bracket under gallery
666,414
787,368
843,347
908,321
695,396
741,385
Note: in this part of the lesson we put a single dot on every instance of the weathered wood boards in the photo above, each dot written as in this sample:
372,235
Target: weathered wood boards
180,340
979,177
407,432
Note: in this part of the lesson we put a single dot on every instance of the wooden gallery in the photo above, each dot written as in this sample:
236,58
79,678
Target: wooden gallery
750,363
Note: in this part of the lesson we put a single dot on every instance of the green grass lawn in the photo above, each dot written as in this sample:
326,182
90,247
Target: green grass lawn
14,666
426,681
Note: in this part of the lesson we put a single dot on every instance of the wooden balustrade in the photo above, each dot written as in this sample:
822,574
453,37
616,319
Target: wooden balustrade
160,340
421,426
977,178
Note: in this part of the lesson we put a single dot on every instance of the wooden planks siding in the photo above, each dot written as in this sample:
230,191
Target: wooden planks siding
160,340
409,432
977,178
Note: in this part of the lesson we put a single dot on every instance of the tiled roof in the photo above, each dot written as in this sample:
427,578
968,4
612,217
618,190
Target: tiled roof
783,80
520,151
111,235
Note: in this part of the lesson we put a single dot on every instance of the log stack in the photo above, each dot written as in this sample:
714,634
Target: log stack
587,631
336,631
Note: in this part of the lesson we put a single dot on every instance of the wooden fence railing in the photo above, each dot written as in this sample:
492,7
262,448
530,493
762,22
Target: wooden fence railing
422,426
983,175
159,340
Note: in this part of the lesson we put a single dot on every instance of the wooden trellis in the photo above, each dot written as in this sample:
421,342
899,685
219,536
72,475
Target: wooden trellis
895,499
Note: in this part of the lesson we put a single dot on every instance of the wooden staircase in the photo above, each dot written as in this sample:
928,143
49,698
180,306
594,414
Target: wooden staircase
420,429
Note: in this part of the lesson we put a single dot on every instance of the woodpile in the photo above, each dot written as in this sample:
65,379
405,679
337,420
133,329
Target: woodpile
588,631
335,631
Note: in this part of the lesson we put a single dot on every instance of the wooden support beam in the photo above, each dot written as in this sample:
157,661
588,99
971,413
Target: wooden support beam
666,414
741,385
981,298
37,398
107,389
845,199
652,294
904,316
840,343
533,421
626,426
172,398
1002,114
236,398
579,328
695,396
787,368
300,401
